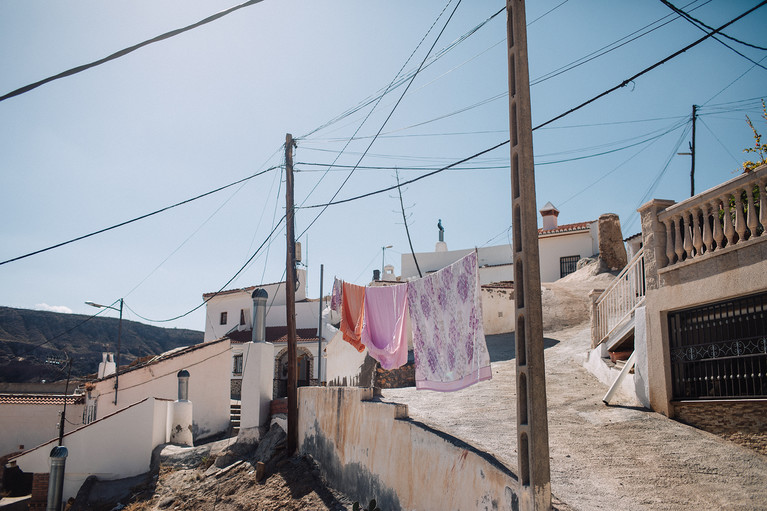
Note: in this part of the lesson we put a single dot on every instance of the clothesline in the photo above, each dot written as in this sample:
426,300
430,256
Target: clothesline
445,313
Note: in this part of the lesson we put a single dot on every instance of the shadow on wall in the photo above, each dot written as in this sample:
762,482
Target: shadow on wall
502,347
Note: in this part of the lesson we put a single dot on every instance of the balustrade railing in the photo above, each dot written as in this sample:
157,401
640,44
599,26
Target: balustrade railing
621,297
724,216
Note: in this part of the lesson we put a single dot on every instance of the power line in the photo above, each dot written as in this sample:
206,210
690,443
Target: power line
147,215
696,22
447,22
126,51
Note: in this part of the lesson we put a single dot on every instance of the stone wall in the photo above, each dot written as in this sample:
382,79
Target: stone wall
236,389
39,499
743,422
396,378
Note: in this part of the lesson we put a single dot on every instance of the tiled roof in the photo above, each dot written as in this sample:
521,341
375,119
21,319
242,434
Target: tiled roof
275,334
580,226
639,234
39,399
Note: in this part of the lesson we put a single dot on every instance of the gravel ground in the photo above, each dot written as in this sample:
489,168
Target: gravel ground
601,457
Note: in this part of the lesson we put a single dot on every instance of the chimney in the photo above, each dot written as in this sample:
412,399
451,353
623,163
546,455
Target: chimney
259,314
376,275
549,214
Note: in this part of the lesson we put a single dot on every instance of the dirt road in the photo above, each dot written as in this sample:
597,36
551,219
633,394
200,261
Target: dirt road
601,457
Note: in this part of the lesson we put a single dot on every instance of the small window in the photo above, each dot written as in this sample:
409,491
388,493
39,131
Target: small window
568,265
223,318
242,316
237,366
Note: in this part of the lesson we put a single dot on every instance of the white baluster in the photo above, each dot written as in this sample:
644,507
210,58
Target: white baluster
687,236
669,242
718,234
678,248
740,221
752,221
729,230
697,241
708,238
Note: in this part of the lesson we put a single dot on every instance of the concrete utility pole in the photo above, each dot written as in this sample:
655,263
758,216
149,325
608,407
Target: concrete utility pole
319,331
290,299
532,415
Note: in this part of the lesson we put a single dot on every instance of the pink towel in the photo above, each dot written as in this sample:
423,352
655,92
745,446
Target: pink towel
384,332
448,338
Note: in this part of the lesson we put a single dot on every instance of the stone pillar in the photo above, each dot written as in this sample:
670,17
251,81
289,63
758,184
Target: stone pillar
181,413
653,240
612,251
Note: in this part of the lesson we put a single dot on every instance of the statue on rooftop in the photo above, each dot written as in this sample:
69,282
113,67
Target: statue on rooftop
441,230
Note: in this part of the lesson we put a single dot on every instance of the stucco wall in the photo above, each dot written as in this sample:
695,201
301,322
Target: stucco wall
343,362
118,446
370,449
722,275
209,386
552,248
31,425
497,310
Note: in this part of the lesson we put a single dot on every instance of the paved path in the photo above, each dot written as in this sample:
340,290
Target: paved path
601,457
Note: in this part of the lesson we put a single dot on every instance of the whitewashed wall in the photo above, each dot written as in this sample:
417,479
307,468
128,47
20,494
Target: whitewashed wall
552,247
118,446
210,370
31,425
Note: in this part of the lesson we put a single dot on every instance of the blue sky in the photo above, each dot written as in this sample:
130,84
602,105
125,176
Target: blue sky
211,106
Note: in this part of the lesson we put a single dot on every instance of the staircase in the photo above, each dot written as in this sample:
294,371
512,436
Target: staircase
235,413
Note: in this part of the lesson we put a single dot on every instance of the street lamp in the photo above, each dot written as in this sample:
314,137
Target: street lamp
119,335
383,256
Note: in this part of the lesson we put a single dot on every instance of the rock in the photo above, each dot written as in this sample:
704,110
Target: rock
166,502
612,251
268,445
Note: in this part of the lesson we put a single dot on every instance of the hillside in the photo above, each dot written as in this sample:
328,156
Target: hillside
21,330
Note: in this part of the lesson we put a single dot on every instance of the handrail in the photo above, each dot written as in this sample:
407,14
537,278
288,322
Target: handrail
621,298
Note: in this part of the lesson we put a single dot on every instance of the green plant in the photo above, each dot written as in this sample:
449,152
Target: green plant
371,507
759,148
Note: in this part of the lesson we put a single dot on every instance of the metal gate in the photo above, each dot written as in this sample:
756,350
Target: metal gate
719,351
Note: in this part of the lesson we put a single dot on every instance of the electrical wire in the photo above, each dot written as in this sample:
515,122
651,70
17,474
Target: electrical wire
447,22
136,219
697,22
700,25
734,81
126,51
705,124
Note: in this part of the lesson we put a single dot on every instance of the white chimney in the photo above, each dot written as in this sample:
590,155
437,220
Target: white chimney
549,214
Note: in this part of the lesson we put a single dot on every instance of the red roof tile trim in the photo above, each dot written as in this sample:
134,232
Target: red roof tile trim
580,226
39,399
274,334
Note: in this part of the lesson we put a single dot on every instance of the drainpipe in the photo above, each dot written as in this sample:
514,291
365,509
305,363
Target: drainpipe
259,315
56,479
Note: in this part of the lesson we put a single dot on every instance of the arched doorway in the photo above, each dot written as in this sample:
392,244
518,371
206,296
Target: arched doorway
305,368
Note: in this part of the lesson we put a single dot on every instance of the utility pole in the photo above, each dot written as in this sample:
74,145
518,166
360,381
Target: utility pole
319,331
290,299
532,413
691,154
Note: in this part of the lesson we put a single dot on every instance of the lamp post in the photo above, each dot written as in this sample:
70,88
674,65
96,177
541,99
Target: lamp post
383,258
119,335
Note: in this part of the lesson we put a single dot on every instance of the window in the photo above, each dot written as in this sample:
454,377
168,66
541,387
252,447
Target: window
568,265
242,316
237,366
223,318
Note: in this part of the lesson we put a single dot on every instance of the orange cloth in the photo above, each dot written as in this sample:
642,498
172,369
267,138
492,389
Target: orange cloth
352,312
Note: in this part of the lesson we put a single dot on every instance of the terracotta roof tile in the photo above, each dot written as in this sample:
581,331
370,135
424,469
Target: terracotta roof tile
39,399
580,226
274,334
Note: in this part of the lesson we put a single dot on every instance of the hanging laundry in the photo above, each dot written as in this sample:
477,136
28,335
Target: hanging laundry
352,311
448,337
384,325
335,296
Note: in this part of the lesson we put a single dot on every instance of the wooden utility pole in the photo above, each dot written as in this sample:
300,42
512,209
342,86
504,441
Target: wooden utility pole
290,299
692,150
532,414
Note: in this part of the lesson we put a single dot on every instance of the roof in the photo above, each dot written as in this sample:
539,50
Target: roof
176,352
639,234
40,399
274,334
502,284
248,290
580,226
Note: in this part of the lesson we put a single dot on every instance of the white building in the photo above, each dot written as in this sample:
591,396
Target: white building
230,314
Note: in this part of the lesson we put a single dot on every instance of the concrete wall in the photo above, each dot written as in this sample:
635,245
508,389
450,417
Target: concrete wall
343,362
554,246
33,424
497,310
209,386
491,261
370,449
257,384
120,445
